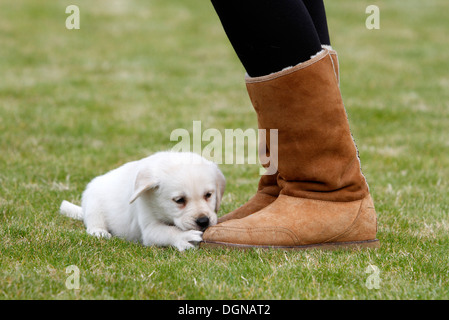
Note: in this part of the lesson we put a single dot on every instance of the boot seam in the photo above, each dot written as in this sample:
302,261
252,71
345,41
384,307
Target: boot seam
351,226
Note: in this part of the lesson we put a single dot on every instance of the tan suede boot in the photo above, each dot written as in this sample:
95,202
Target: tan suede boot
268,189
324,201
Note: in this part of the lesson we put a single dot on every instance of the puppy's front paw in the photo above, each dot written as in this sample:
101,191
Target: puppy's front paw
187,238
99,233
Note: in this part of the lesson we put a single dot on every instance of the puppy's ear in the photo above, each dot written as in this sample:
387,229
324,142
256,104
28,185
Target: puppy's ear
144,182
221,184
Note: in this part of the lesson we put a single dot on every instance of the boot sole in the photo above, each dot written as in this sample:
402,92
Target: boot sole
370,244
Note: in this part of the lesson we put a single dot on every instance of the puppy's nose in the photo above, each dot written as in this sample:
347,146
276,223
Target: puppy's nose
202,222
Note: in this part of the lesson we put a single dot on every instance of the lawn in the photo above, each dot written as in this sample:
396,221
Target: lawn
77,103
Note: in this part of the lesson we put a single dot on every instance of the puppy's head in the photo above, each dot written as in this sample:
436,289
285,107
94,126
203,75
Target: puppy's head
181,189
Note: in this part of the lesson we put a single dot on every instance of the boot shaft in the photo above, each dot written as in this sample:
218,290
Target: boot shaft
317,157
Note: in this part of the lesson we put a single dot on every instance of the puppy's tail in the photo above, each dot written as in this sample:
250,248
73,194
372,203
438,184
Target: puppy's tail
70,210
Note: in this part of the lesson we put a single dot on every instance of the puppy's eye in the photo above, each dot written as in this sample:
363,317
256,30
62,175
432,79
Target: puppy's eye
207,195
180,200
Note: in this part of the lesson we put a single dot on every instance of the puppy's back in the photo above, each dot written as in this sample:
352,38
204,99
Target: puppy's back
111,189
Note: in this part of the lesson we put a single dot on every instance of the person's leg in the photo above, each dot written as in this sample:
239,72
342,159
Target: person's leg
268,35
324,199
318,14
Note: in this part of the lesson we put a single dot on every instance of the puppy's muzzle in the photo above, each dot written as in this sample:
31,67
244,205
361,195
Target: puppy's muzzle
202,222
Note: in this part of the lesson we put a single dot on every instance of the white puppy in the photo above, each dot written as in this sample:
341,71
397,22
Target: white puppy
166,199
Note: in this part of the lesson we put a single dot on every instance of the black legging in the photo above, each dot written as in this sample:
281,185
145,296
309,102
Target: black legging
270,35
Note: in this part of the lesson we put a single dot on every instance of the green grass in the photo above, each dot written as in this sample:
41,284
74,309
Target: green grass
77,103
